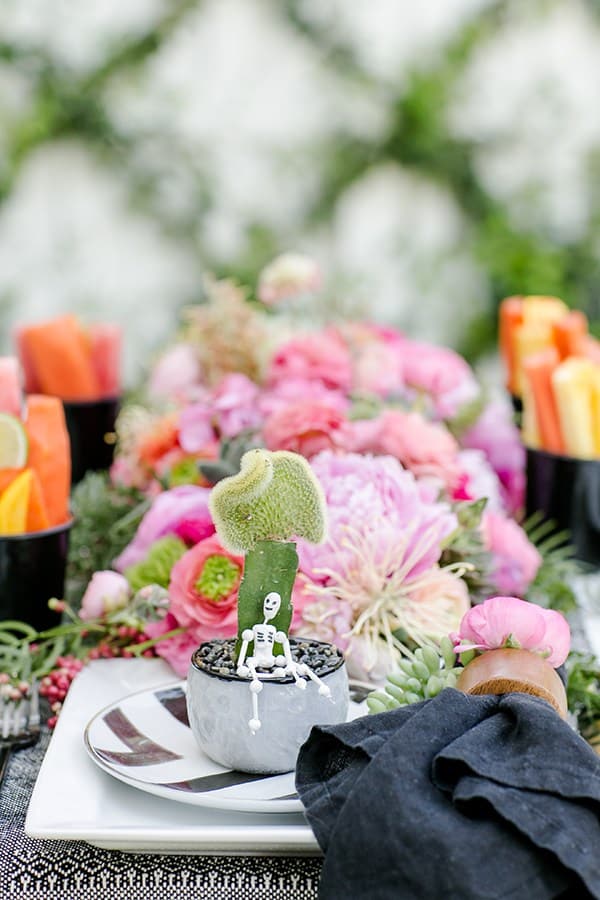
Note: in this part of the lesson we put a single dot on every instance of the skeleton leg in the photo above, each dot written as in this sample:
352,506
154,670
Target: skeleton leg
323,689
255,688
291,667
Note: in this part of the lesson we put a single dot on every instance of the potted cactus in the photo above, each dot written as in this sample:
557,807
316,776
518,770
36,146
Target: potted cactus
253,699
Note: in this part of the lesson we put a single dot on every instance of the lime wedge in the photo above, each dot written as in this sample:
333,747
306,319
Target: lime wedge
14,443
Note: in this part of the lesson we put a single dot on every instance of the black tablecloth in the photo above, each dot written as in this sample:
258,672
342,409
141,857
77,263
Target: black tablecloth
72,870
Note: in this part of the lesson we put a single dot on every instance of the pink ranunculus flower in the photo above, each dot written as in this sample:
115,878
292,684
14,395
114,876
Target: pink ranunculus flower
306,427
510,622
106,591
203,590
496,435
316,357
515,560
182,511
286,276
235,405
176,373
440,372
427,449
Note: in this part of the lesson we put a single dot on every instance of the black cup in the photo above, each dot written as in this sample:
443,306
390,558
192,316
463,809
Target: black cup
567,491
91,426
517,405
32,570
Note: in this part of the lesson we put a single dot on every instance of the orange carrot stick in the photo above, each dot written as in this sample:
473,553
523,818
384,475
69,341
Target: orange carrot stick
511,318
538,369
59,353
49,454
37,514
569,333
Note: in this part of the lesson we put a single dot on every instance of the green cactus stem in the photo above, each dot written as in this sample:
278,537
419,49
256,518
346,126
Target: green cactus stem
269,566
274,497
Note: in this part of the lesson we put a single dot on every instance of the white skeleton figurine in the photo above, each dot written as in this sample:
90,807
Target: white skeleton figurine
264,637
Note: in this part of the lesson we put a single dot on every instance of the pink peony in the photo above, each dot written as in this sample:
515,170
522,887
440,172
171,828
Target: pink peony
306,427
515,560
182,511
203,590
177,650
442,597
510,622
497,436
176,373
425,448
286,276
376,508
235,405
441,373
106,591
316,357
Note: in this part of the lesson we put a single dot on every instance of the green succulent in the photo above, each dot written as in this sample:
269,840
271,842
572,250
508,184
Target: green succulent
274,497
424,676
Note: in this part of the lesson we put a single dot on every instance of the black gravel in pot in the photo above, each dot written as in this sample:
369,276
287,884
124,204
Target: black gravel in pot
217,658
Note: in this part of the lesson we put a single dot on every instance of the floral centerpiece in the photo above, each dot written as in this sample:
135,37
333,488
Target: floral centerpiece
422,474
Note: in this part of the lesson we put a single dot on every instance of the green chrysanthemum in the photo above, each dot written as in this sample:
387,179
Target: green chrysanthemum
218,579
156,567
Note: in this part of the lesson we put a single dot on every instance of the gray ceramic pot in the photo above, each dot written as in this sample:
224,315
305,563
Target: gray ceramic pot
219,708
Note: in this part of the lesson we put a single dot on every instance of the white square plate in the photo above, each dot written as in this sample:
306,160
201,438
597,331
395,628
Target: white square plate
74,800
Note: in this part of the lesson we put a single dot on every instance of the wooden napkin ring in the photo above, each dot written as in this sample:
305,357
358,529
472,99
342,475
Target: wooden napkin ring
506,670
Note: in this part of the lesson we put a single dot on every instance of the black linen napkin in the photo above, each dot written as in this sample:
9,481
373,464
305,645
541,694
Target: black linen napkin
461,796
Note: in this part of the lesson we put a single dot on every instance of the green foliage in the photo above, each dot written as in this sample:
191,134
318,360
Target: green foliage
465,545
106,519
275,496
551,586
156,567
427,673
583,694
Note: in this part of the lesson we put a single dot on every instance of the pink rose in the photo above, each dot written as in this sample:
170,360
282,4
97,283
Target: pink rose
307,428
106,591
316,357
441,373
182,511
510,622
515,560
427,449
293,390
203,590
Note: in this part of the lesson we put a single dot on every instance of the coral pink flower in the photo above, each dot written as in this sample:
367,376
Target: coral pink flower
316,357
425,448
515,560
182,511
510,622
105,592
306,427
203,590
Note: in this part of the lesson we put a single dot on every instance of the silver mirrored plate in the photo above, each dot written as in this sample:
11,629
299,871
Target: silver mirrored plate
145,740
